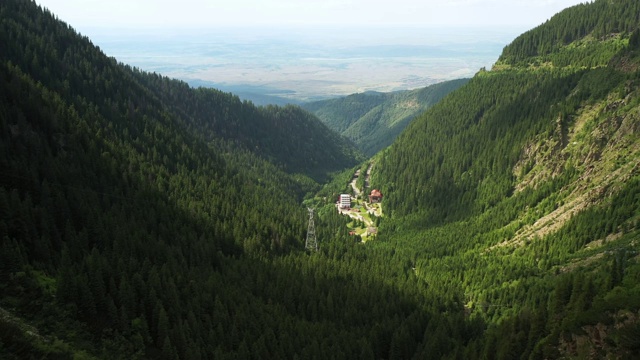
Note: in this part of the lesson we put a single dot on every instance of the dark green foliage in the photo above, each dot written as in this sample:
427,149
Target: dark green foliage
634,39
456,210
486,123
600,19
373,120
140,218
128,98
16,344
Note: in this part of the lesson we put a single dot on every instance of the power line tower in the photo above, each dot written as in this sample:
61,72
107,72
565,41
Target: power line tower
311,243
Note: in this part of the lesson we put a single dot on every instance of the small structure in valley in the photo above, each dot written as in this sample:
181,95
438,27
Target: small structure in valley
311,243
375,196
345,201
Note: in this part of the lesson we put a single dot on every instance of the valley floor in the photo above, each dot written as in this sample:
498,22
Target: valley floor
362,212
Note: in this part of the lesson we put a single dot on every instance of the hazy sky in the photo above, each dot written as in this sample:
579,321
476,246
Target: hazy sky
85,14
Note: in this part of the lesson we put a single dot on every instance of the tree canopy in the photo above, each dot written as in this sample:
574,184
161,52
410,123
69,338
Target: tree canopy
142,218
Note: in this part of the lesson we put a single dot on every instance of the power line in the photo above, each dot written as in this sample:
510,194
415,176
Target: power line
311,243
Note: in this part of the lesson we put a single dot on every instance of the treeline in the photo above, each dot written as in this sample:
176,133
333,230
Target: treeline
486,124
52,53
539,296
140,219
474,187
373,120
599,19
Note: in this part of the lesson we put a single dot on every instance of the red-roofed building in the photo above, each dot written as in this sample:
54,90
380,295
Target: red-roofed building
375,196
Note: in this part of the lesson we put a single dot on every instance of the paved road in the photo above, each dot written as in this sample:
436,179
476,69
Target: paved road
356,191
366,180
355,215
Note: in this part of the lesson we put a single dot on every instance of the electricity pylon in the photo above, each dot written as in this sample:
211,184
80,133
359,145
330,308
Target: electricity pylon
311,243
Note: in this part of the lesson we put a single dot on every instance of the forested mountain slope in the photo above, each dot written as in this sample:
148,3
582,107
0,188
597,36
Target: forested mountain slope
373,120
521,190
77,68
140,218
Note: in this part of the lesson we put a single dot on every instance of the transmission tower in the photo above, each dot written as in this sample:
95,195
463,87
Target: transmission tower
311,243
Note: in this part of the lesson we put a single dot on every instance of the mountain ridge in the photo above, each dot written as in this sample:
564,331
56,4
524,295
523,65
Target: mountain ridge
202,106
529,172
141,218
373,119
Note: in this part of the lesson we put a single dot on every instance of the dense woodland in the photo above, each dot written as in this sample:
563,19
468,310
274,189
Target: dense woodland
372,120
587,25
529,209
142,218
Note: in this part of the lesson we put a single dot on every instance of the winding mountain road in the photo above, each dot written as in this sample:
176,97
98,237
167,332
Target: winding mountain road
356,191
356,175
354,213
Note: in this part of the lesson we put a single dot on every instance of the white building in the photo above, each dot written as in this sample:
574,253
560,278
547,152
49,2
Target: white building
345,201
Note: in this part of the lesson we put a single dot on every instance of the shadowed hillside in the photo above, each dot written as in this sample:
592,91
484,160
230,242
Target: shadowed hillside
142,218
373,120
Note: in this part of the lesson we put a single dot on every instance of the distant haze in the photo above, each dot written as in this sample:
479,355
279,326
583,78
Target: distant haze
312,62
306,50
224,13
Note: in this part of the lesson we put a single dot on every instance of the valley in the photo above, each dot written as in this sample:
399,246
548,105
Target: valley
144,218
372,120
362,212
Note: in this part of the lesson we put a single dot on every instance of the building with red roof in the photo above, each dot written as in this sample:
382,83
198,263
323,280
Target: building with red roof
375,196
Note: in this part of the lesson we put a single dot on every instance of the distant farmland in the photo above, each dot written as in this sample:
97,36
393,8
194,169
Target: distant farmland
308,64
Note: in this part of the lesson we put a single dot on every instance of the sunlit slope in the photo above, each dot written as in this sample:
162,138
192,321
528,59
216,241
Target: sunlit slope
373,120
521,189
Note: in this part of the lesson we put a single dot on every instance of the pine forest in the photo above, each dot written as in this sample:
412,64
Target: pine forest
141,218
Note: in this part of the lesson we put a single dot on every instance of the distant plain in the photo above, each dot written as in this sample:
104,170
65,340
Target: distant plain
305,63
